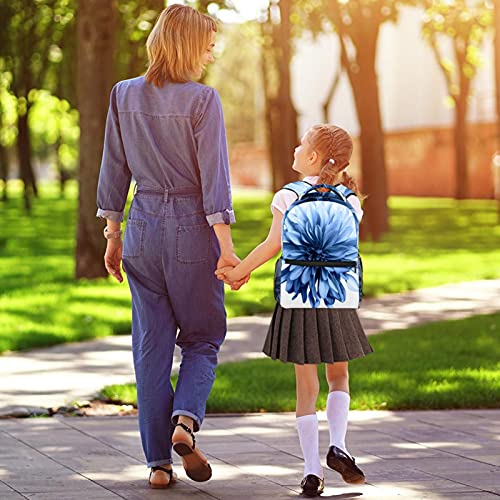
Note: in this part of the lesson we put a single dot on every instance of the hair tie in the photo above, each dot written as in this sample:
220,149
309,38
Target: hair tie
332,161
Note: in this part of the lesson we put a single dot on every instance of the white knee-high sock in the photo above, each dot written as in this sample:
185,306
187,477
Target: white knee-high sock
337,413
307,428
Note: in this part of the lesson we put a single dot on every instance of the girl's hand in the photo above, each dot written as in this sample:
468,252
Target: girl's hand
227,274
113,258
236,285
231,275
220,272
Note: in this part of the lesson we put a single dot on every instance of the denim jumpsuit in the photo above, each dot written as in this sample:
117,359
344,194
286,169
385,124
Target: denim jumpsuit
172,141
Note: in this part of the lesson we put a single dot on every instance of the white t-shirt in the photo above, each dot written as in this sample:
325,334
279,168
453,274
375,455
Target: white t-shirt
284,198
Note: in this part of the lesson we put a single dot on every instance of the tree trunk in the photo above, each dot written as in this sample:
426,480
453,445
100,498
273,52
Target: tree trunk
331,92
4,171
285,120
280,113
157,5
460,132
269,106
96,33
24,155
496,30
460,140
62,173
363,78
373,165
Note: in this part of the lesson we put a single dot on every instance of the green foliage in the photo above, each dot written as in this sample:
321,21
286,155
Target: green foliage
236,76
433,241
136,19
33,32
464,25
53,124
8,110
352,17
448,364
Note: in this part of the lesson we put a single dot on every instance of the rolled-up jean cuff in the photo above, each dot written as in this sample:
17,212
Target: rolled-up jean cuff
110,214
156,463
185,413
225,217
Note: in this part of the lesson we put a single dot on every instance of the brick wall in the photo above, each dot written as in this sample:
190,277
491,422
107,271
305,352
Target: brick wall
419,162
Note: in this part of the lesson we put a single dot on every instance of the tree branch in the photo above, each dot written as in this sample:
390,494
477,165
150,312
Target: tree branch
333,88
437,53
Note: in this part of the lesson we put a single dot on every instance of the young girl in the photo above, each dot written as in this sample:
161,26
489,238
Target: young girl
308,337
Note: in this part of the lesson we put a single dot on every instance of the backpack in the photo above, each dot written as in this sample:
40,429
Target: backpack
320,266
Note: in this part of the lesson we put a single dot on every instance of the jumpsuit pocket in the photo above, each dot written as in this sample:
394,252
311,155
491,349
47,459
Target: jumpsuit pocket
133,244
193,243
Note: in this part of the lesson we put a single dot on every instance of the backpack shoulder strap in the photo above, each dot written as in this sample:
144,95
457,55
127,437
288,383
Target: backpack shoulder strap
298,187
345,190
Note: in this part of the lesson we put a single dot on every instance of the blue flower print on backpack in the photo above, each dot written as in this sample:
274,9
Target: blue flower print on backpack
320,265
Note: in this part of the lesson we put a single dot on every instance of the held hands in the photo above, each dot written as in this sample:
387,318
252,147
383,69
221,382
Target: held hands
113,258
225,272
225,265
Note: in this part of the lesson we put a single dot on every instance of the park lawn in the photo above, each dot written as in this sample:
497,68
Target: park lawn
433,241
447,364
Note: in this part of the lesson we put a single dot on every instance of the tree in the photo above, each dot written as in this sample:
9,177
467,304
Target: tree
280,113
239,90
136,19
8,119
96,28
357,24
331,91
55,132
29,52
464,25
496,28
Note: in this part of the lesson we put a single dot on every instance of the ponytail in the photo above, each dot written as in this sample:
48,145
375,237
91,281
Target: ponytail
331,174
334,147
328,174
349,182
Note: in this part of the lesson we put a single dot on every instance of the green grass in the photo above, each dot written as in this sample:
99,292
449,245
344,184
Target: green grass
433,241
448,364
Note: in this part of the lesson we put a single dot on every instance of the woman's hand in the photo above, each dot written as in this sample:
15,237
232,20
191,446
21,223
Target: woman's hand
226,262
113,258
228,274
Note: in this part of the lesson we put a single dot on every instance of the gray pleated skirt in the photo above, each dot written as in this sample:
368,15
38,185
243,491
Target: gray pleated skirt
313,336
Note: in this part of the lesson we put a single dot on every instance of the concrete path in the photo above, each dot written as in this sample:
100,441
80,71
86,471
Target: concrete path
58,375
405,455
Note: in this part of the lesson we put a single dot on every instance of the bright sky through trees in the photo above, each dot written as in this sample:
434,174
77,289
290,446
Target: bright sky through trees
246,10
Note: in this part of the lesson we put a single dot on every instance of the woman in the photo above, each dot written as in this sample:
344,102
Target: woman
167,131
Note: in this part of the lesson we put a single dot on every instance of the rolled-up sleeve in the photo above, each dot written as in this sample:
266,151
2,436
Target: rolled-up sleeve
115,176
210,135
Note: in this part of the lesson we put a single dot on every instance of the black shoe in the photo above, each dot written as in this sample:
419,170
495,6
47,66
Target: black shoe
345,465
312,486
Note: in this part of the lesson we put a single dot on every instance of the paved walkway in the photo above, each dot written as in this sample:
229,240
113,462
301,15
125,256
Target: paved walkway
407,455
58,375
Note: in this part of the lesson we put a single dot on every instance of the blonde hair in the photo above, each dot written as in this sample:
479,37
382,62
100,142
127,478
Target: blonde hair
177,43
334,147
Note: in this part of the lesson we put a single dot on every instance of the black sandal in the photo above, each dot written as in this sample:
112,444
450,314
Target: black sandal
195,463
161,486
